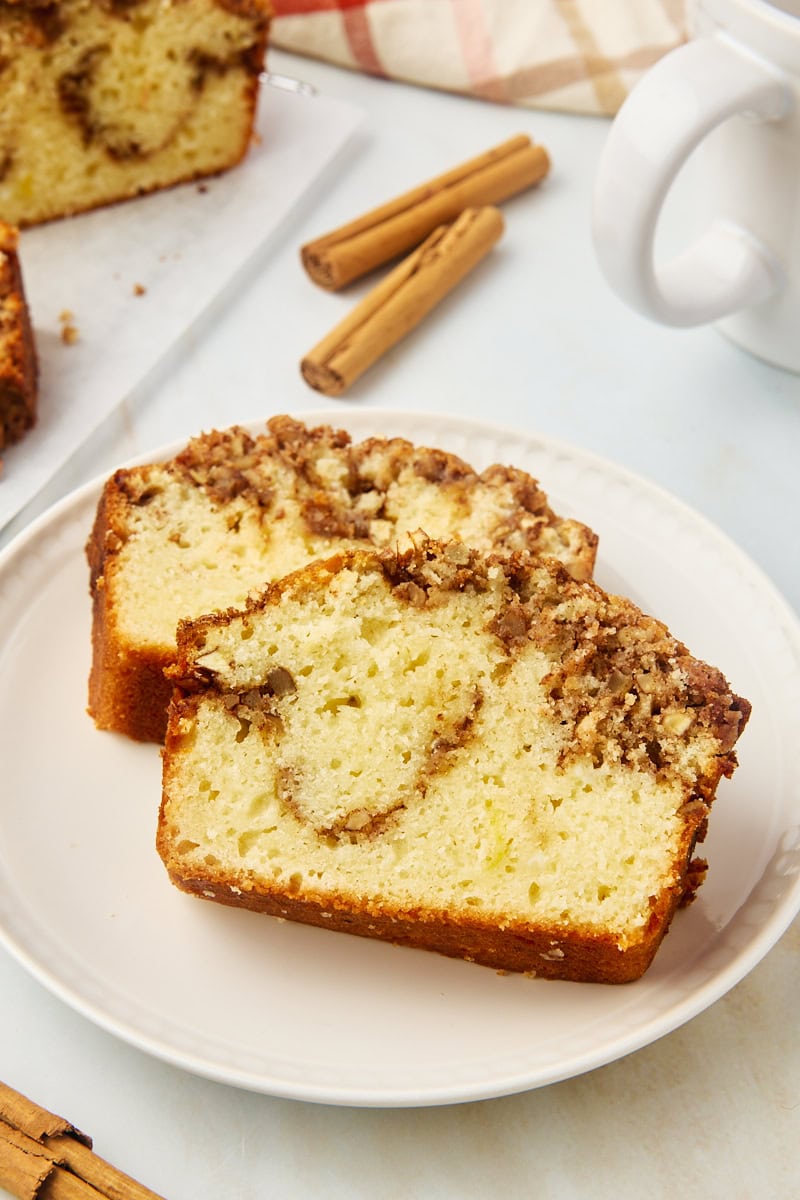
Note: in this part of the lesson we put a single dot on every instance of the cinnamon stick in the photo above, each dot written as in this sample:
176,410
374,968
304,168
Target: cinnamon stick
390,230
401,300
44,1157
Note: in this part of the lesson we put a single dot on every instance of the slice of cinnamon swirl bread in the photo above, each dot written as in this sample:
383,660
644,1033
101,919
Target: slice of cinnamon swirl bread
233,512
465,753
102,100
19,368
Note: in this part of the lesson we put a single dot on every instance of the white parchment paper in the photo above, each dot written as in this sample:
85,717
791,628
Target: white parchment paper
131,279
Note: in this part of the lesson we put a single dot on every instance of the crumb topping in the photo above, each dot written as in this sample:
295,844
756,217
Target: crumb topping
355,491
626,688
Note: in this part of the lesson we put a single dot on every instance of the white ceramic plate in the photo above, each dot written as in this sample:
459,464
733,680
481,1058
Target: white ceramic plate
298,1012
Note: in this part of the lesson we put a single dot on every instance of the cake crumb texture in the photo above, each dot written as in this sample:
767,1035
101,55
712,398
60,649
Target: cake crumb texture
104,100
234,511
465,752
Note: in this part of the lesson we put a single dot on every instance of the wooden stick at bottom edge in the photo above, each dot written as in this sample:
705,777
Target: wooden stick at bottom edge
43,1157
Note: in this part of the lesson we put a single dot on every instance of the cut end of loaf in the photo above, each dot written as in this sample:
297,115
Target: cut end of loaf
105,102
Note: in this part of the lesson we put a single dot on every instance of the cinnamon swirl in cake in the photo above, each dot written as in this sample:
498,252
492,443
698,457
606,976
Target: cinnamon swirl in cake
103,100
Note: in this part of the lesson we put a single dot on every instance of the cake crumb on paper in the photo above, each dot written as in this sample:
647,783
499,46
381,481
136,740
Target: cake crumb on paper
69,330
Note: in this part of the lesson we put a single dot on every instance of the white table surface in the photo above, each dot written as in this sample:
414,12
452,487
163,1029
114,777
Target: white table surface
533,340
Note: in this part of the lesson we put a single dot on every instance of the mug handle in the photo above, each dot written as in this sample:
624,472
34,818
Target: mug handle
673,107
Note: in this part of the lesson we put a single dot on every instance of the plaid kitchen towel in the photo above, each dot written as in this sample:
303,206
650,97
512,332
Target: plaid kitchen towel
572,55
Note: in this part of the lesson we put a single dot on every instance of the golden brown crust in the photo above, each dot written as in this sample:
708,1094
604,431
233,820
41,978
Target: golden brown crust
126,691
127,687
549,952
573,955
19,368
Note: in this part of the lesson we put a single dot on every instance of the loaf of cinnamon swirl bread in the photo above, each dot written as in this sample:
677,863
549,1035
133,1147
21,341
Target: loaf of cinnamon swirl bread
103,100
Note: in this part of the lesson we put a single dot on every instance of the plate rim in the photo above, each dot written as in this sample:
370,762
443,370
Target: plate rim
690,1005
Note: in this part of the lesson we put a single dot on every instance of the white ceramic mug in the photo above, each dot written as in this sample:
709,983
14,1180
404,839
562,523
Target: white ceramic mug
735,88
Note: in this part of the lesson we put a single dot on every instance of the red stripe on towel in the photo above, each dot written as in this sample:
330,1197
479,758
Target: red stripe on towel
359,35
476,49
